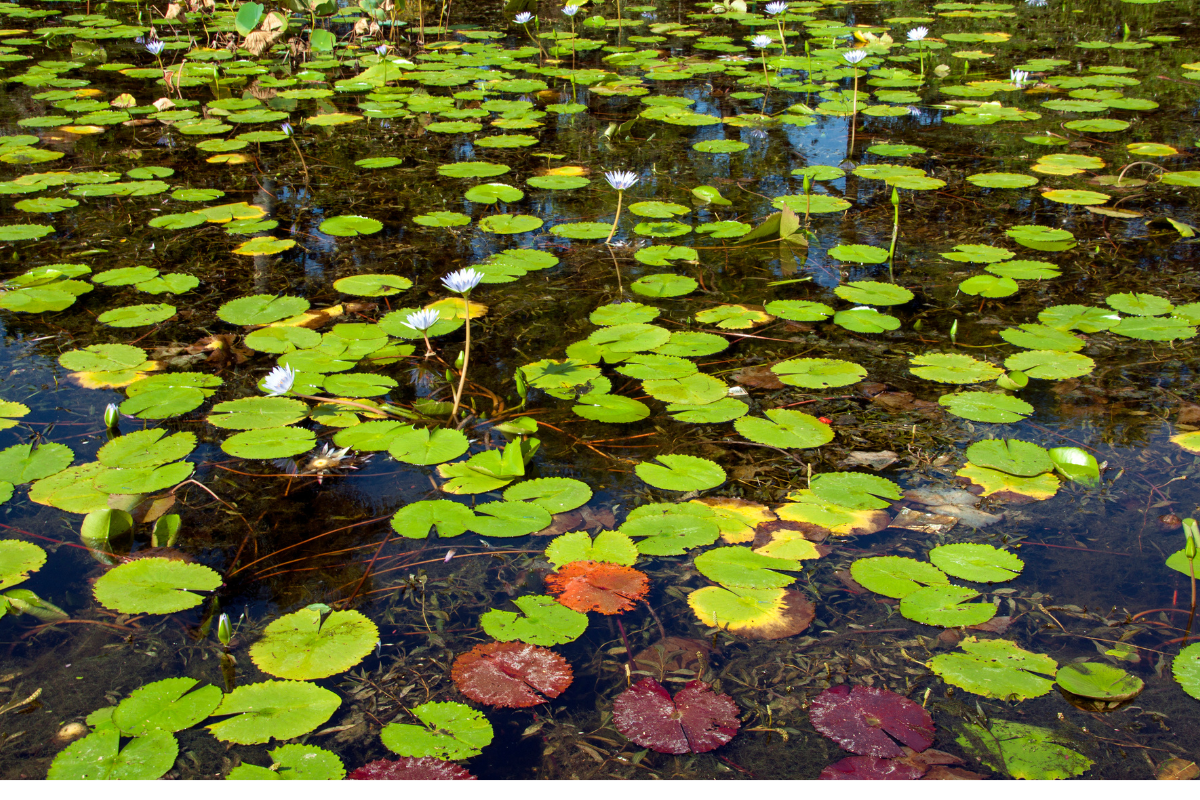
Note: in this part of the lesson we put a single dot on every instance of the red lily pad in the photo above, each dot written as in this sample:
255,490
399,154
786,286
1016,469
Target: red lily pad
511,674
870,768
411,769
597,586
866,720
695,721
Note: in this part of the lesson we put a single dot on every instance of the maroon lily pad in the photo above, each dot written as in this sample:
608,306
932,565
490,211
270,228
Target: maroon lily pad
411,769
870,768
511,674
695,721
865,720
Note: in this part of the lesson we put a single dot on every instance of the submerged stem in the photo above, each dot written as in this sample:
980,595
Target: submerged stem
617,219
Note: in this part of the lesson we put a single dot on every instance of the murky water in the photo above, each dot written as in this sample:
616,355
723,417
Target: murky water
283,533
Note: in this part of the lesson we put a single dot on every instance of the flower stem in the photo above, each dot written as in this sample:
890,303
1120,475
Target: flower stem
302,164
782,38
620,194
462,376
766,77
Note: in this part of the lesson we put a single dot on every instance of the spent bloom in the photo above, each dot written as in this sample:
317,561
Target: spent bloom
777,7
570,9
917,34
155,47
279,381
854,56
462,281
286,128
524,18
762,42
1018,77
621,180
422,320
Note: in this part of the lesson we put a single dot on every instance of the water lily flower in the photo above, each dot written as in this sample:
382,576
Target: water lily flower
762,42
155,47
422,320
621,180
286,128
279,381
777,7
917,34
462,281
224,629
571,10
854,56
1018,77
381,50
1036,3
449,555
524,18
111,416
649,16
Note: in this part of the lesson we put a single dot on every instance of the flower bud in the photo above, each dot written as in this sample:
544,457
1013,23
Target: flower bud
224,630
111,416
1192,531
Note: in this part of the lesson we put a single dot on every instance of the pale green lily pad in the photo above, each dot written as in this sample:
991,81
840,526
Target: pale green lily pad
314,643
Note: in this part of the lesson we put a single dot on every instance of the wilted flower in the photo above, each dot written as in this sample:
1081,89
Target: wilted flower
449,555
854,56
524,18
279,381
422,320
1018,77
570,10
155,47
777,7
286,128
762,42
917,34
111,415
621,180
462,281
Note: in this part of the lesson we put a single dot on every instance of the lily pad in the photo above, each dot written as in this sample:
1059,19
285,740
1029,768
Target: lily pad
259,712
679,473
314,643
542,621
448,731
695,720
511,675
870,721
996,668
155,586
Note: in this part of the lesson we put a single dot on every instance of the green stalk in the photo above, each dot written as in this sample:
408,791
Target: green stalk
782,38
462,376
766,77
620,194
895,233
301,155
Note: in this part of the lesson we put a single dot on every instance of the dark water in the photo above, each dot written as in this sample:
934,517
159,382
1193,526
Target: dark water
1094,557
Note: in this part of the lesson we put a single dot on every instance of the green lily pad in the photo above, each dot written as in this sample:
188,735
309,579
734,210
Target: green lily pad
293,762
155,586
946,606
23,463
859,254
259,712
267,443
670,534
1050,364
1098,681
417,520
855,490
252,413
679,473
996,668
426,446
545,622
865,320
602,407
981,563
449,731
350,225
99,756
895,576
785,428
314,643
742,568
612,547
1023,751
556,495
985,406
1010,455
167,706
261,309
664,285
17,560
953,368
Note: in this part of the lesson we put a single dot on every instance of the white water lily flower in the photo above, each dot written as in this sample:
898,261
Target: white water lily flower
279,381
917,34
621,180
777,7
286,128
1036,3
462,281
422,320
155,47
381,50
854,56
1018,77
571,10
762,42
524,18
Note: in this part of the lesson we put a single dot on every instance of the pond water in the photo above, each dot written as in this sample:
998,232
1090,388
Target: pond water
876,370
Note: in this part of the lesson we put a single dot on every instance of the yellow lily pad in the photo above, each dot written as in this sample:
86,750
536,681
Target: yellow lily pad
1188,441
229,158
839,520
455,308
1003,486
264,246
789,543
737,518
82,130
752,613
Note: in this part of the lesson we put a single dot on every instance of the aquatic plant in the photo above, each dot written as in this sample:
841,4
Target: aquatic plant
777,8
619,180
462,282
762,43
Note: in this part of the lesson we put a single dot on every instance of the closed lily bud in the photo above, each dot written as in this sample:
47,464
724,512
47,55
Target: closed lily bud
1192,531
111,416
224,630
